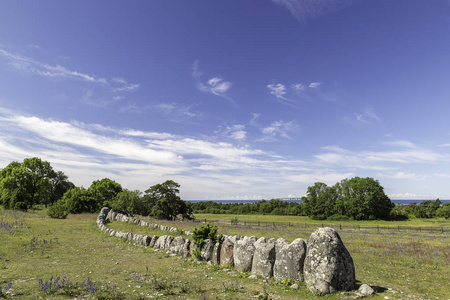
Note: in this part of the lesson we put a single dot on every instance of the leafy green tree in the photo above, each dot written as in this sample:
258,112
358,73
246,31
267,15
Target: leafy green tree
59,185
444,211
357,198
27,183
79,200
165,202
104,191
427,209
130,203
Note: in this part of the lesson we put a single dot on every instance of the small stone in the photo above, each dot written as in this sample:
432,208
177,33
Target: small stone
365,289
253,277
295,286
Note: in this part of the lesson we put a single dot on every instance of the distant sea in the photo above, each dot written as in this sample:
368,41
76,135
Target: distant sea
404,202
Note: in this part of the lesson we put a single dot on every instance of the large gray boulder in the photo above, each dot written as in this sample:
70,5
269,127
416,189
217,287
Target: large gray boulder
161,242
177,245
263,258
215,259
226,253
243,254
328,265
289,260
207,250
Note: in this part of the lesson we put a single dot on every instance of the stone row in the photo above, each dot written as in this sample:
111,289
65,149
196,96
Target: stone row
323,262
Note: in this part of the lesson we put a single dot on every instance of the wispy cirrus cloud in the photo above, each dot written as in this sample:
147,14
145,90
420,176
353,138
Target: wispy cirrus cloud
234,132
177,112
368,116
304,10
281,91
27,64
215,85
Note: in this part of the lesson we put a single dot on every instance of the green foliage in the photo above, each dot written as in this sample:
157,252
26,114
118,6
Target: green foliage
203,232
272,207
444,211
79,200
356,198
103,191
165,203
58,211
31,182
129,203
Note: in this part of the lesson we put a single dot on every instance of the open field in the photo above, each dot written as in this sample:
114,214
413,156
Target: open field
412,265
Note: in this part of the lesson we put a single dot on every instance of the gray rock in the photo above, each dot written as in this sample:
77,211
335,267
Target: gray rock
207,250
289,260
168,242
138,239
253,276
215,259
153,241
263,258
243,254
366,290
177,245
226,253
295,286
328,265
187,248
161,242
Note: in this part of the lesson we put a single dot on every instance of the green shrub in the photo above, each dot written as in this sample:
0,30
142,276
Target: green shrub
20,206
58,211
203,232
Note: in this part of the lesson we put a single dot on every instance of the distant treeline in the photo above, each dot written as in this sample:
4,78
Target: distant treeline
23,185
350,199
263,207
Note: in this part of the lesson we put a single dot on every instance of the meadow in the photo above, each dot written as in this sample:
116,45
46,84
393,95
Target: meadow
65,259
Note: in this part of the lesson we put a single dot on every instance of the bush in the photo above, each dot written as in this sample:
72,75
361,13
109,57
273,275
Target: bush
58,211
20,206
203,232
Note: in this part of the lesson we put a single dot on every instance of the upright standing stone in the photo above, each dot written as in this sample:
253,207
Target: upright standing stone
289,260
187,248
243,254
215,259
263,258
207,250
226,253
328,265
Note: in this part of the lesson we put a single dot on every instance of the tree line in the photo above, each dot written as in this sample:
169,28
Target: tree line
34,182
350,199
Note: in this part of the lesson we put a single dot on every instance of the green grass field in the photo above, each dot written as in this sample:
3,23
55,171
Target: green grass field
33,248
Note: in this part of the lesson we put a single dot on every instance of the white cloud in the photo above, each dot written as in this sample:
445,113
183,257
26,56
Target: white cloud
30,65
235,132
279,128
215,85
298,87
368,116
176,112
218,86
303,10
315,85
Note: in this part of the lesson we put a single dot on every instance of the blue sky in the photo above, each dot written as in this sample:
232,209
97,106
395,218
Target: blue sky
231,99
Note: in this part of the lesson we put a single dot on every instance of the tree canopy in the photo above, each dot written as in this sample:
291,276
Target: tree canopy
356,198
31,182
165,202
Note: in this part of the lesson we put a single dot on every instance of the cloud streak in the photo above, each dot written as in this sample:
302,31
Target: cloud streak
215,85
29,65
304,10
